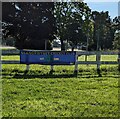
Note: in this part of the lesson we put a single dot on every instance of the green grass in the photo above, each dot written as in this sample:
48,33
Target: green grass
62,94
11,57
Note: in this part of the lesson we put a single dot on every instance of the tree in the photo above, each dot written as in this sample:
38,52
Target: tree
70,18
30,23
103,32
116,42
116,28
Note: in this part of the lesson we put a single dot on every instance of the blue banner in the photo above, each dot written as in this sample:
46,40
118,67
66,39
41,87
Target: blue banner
47,57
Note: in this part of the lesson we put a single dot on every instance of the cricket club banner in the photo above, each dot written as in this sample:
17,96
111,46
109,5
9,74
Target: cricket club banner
47,57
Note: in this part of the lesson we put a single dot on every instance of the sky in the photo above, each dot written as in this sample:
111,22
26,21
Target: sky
104,5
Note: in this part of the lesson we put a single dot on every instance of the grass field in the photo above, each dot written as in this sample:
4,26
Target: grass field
62,94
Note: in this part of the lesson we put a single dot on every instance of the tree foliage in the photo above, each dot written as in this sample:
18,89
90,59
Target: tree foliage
116,27
72,19
30,23
33,23
104,30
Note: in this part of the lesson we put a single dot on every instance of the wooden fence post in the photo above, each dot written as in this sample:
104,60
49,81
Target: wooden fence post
98,58
119,60
76,65
27,67
51,69
0,62
86,56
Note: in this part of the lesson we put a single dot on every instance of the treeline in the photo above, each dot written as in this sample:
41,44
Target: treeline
34,25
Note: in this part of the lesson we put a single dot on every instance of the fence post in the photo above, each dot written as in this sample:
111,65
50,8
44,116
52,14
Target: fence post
86,56
76,65
119,60
27,67
98,57
51,69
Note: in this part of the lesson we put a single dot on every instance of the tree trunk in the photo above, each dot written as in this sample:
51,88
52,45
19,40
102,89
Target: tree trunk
62,46
72,49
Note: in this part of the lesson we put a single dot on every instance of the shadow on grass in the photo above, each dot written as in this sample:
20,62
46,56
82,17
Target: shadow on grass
21,74
28,76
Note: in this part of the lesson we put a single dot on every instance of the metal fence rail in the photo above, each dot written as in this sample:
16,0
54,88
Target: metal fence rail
10,62
17,52
11,52
97,52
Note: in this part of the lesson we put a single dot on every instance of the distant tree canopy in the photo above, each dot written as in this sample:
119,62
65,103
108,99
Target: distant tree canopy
29,23
104,31
71,18
116,28
33,24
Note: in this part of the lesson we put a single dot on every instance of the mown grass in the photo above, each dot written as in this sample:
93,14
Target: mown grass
61,94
